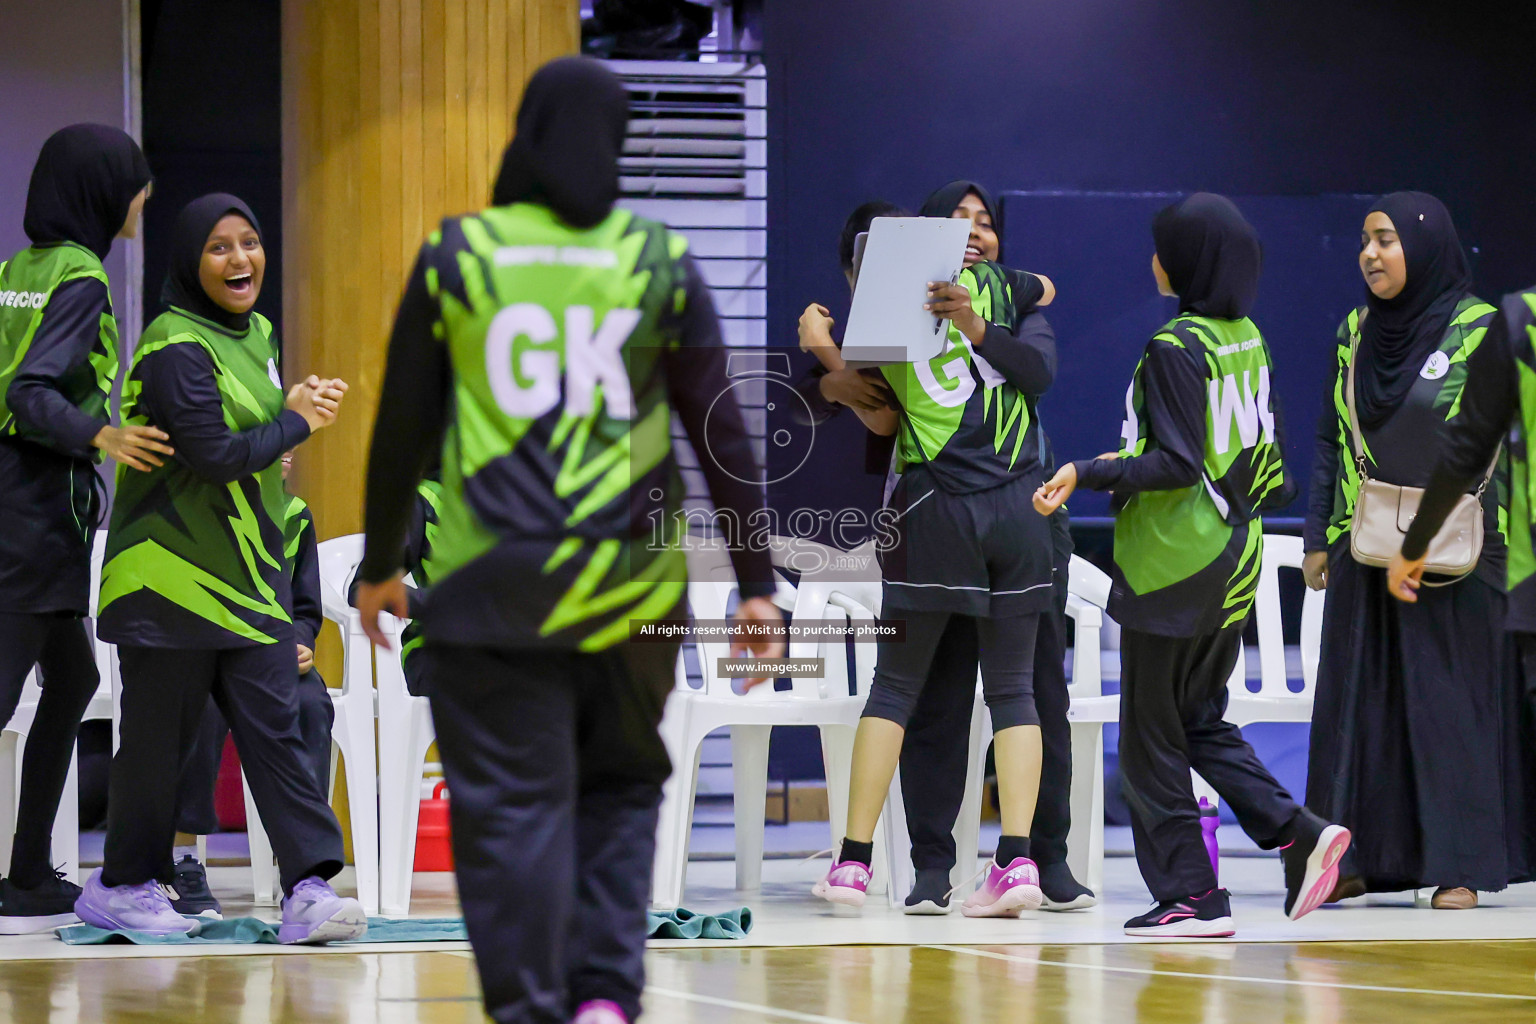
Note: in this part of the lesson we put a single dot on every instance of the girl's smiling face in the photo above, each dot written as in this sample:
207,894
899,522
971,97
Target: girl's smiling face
983,244
233,264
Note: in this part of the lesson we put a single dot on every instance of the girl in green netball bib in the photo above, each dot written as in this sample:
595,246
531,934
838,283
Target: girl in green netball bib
196,589
1201,461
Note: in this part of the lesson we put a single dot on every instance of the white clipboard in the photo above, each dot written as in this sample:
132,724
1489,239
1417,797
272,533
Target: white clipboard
887,323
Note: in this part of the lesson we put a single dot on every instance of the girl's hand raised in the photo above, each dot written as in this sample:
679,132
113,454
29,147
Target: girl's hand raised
316,400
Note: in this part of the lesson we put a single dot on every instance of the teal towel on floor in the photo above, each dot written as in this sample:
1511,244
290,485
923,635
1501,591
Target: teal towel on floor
683,923
250,930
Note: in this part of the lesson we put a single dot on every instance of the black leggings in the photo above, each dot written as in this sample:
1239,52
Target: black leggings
59,646
1007,667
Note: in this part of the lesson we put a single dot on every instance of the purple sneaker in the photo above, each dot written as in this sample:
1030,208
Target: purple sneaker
313,914
844,885
599,1011
135,908
1006,891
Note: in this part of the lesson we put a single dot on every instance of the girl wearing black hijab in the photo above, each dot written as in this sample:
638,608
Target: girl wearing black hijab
934,754
1199,463
539,350
196,589
1406,742
935,749
58,362
969,457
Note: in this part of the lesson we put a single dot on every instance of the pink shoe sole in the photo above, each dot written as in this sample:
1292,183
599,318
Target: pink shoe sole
842,895
1009,904
1322,870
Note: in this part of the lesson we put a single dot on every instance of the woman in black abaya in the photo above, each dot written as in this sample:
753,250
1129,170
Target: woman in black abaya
1406,746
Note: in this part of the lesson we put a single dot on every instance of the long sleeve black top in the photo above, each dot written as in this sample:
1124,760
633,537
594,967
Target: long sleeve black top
1325,475
57,364
1490,407
308,611
414,410
1174,386
182,397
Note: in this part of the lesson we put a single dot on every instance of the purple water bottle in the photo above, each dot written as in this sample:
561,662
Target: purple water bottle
1210,818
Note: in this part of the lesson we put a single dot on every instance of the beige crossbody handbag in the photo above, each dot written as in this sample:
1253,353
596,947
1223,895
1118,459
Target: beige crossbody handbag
1383,511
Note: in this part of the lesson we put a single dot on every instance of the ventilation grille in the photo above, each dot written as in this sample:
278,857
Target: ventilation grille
696,160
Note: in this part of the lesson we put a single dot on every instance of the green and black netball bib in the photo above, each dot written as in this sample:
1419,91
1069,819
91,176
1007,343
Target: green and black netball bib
419,562
1520,309
27,280
971,428
557,467
1187,560
190,562
295,524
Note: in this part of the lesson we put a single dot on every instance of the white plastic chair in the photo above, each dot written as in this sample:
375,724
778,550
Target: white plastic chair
692,715
351,736
66,824
405,731
1089,710
1275,701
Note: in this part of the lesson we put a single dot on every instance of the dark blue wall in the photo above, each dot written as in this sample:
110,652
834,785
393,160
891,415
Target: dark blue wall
891,99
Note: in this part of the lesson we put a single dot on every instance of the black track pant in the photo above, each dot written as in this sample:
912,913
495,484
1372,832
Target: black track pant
935,754
165,693
1173,692
195,812
61,649
554,771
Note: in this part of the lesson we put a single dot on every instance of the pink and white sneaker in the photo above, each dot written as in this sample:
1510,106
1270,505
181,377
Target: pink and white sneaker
1311,862
845,885
1006,891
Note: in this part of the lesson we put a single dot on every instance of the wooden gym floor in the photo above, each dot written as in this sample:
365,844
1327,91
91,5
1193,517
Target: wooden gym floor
1254,983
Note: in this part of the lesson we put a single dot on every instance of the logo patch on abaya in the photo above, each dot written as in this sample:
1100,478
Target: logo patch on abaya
1435,366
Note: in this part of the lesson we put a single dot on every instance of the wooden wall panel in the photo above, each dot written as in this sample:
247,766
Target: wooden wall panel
395,113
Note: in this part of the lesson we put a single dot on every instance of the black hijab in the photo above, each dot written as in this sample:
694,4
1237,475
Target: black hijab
183,288
944,201
1211,255
1400,333
570,133
82,185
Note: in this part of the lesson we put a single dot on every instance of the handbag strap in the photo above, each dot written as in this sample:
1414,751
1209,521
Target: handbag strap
1354,417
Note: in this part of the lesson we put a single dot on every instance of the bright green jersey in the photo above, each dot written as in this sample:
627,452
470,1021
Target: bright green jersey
191,561
1520,312
1187,558
27,281
557,467
960,418
295,524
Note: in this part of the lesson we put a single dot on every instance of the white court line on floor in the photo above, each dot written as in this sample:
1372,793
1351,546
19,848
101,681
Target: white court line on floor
731,1004
990,955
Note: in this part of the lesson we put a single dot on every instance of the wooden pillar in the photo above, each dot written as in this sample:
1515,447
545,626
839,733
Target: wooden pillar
395,114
